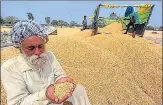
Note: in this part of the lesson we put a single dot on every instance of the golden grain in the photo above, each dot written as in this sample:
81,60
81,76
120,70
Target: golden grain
62,89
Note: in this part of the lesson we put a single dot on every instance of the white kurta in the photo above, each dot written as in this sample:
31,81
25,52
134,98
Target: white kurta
26,86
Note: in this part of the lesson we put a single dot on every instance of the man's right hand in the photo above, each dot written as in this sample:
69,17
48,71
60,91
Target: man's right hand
54,99
50,94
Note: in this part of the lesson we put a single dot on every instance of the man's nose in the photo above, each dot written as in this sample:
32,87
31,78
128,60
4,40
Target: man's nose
38,51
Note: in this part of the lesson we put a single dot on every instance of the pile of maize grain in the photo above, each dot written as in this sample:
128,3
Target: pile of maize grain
62,89
115,68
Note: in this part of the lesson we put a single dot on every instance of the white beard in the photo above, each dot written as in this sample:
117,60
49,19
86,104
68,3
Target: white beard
34,61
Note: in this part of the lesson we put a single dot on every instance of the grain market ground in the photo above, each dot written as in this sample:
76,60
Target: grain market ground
115,68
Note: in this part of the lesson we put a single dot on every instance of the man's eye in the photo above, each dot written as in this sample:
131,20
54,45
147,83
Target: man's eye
40,46
30,47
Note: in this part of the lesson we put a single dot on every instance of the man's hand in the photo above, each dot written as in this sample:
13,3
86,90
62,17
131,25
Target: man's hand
50,91
50,94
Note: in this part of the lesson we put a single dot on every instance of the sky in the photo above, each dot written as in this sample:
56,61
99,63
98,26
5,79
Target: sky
72,10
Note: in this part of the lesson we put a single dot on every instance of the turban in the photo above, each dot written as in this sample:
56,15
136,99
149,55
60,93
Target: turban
129,10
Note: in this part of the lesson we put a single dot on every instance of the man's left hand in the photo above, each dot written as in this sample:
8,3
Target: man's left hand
65,79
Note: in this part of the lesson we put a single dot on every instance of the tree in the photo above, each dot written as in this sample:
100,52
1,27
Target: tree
149,27
161,28
10,19
60,23
66,24
30,16
1,20
54,22
73,23
47,20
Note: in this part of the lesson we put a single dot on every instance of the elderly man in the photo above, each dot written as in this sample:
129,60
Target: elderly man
28,78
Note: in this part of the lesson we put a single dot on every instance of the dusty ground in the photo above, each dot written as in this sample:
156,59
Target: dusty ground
155,36
116,69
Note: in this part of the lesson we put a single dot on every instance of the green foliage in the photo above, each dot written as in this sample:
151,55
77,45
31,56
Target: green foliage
73,23
1,20
10,19
65,24
149,27
54,22
47,20
60,22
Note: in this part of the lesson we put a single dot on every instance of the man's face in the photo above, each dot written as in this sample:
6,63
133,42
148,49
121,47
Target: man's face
33,46
33,50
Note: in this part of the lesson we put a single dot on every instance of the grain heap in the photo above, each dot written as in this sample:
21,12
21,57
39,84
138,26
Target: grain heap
114,68
113,28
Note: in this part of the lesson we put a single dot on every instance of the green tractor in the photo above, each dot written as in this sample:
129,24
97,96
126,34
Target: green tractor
144,12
